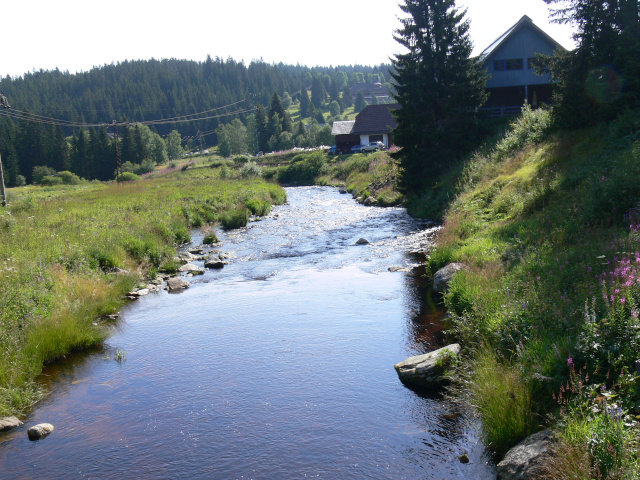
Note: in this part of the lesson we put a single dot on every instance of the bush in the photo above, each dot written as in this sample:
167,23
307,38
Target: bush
69,178
304,171
251,170
146,166
258,207
532,126
20,181
39,172
241,159
50,181
210,238
236,218
128,177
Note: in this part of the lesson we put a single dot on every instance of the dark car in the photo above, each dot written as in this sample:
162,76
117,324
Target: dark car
356,149
333,150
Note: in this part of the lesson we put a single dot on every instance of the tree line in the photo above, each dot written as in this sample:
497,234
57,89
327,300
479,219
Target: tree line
147,90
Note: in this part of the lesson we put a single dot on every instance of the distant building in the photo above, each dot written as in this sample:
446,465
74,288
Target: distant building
370,90
375,123
510,60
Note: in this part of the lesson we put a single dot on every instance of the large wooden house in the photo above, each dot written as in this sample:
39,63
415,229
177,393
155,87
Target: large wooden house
510,63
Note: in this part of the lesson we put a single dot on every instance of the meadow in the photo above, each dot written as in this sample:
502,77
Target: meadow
69,254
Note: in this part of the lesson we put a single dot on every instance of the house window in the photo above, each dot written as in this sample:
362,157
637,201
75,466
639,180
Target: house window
511,64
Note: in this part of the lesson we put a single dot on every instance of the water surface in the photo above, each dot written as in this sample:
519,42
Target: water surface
279,366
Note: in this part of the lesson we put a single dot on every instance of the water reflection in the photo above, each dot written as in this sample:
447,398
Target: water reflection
279,366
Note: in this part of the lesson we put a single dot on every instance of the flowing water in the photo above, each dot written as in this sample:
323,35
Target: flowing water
279,366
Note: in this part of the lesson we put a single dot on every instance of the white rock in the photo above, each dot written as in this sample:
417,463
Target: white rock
39,431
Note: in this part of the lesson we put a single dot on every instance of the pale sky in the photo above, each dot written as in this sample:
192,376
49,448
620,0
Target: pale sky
77,35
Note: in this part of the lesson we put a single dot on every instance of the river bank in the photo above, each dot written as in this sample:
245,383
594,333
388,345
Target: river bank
279,365
546,224
70,255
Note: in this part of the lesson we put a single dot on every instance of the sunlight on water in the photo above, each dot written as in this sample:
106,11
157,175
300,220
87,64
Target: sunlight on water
278,366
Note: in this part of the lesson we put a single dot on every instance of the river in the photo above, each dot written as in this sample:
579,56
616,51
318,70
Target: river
279,366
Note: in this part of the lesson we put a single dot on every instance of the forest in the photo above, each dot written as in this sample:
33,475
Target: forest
44,126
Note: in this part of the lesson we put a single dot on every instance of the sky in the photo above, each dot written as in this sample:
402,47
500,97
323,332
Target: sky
76,35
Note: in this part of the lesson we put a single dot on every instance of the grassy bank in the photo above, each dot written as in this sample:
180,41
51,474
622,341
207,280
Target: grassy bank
60,245
548,226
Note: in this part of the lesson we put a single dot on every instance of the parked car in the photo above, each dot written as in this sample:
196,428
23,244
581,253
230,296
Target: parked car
333,150
373,147
356,149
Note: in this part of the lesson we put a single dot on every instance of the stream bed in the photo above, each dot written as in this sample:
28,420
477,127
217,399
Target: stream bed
279,366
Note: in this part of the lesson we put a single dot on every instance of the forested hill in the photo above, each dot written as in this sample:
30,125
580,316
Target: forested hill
144,90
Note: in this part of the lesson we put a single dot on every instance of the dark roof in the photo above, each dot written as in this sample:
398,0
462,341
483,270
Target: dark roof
370,88
525,20
343,128
376,119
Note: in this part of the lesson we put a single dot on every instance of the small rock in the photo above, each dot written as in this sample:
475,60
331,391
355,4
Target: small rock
362,241
214,262
196,251
343,191
398,269
39,431
7,423
132,297
176,283
464,458
189,267
113,317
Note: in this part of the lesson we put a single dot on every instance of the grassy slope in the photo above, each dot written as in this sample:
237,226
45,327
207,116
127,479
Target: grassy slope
548,228
59,241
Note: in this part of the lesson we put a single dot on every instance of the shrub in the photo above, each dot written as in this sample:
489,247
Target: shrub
20,181
236,218
241,159
128,177
258,207
250,170
39,172
304,171
69,178
50,181
532,126
210,237
146,166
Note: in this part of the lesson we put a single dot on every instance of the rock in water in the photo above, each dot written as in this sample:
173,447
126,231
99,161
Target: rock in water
426,370
189,267
362,241
39,431
176,283
464,458
214,262
524,460
7,423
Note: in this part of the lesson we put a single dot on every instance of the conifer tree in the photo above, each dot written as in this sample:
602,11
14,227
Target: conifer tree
601,77
304,103
360,102
438,87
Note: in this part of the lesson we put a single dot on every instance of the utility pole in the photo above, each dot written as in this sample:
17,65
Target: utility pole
117,147
200,139
5,104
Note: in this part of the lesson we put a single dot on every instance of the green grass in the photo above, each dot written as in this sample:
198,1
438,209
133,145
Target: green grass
61,243
548,225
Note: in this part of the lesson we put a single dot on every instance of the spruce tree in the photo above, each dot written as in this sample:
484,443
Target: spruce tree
438,86
304,103
601,77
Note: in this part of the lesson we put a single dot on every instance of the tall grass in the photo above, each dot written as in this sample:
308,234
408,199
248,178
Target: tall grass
548,225
59,248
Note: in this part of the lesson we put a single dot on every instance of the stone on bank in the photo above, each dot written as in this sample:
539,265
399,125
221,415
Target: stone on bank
427,370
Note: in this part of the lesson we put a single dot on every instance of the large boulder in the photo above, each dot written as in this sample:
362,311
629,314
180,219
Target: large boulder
7,423
189,268
443,277
176,283
427,370
523,462
39,431
362,241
